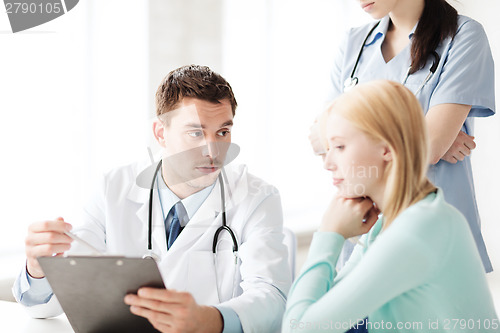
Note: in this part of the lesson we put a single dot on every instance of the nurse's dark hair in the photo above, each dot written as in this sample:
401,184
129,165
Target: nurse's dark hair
192,81
437,22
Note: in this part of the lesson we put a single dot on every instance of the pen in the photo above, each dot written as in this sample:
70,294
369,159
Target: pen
81,241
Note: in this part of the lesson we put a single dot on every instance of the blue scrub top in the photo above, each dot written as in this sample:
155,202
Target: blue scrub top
465,75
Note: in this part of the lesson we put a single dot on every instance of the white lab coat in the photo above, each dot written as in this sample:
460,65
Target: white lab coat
116,221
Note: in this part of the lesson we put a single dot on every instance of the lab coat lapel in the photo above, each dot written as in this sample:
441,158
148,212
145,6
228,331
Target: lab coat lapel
206,220
140,196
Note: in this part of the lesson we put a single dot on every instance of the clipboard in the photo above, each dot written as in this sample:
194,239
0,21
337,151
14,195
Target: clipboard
91,289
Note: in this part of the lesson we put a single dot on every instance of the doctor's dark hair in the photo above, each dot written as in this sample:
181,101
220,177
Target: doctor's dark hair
192,81
437,22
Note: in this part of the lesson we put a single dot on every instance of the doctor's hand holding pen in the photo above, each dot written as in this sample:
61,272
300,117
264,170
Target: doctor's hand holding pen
459,149
46,238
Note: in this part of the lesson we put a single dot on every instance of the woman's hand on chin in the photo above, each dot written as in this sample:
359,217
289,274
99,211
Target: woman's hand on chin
349,217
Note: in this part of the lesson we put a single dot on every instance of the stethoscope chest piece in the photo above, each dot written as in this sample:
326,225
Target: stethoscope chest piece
151,255
350,83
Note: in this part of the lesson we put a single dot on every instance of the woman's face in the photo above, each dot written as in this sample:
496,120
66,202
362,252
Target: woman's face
356,161
378,8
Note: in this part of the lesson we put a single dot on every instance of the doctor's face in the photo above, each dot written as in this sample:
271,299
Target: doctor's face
354,159
378,8
195,138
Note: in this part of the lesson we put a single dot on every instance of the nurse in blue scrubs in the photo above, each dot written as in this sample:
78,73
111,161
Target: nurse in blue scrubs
445,59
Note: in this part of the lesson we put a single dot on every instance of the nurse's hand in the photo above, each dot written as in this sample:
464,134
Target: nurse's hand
173,311
45,239
460,148
349,217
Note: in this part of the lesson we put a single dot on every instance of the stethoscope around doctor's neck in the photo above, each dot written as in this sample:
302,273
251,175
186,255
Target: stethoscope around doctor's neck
223,227
353,80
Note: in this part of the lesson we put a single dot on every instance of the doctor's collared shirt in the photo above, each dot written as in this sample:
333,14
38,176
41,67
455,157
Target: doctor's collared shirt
464,75
30,291
191,204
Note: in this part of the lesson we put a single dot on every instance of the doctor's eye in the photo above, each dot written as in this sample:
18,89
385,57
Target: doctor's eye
339,147
223,133
195,134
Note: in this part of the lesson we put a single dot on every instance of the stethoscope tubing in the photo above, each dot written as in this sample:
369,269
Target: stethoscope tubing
353,80
223,227
361,50
150,215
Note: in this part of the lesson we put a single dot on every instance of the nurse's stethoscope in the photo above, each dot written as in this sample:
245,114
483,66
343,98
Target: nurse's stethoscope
353,80
223,227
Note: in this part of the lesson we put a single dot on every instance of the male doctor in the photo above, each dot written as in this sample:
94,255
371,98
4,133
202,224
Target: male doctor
235,292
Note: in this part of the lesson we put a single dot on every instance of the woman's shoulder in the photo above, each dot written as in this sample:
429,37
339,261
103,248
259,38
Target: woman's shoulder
359,33
431,223
469,26
360,29
432,213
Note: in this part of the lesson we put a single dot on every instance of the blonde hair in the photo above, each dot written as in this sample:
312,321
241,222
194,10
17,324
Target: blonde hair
387,111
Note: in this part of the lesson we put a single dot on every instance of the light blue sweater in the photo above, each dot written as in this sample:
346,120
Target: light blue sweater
422,274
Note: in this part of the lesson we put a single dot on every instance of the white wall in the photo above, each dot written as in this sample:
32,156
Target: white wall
486,158
41,123
73,102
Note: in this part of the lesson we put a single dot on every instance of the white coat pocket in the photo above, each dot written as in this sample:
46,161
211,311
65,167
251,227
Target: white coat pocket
207,287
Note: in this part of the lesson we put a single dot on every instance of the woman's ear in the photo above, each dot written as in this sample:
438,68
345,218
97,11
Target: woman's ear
387,153
159,132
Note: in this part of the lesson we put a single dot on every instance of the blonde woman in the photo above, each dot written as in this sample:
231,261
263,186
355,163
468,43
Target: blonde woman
445,60
417,268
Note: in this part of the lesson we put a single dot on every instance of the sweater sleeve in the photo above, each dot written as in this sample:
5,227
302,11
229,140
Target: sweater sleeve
316,278
393,264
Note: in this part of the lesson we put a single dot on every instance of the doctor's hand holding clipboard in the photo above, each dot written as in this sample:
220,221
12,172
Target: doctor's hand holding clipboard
445,60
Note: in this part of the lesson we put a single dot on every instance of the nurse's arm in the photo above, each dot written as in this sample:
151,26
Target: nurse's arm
446,139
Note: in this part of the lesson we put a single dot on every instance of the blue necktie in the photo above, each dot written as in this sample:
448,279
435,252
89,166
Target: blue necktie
175,225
